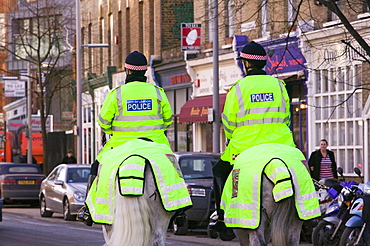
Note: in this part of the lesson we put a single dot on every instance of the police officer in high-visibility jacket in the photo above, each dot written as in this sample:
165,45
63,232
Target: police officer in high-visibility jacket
256,111
135,109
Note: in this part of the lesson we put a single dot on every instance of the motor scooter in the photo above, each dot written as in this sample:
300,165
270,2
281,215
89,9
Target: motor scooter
356,232
328,230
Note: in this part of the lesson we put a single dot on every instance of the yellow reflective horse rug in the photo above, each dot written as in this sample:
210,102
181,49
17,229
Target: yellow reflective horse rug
125,165
283,166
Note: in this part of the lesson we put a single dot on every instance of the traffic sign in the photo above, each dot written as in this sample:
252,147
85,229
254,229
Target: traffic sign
191,36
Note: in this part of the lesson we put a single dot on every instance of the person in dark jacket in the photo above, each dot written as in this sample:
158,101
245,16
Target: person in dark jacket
69,158
322,162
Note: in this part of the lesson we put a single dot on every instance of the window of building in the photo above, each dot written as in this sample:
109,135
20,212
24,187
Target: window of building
89,51
210,20
265,17
141,26
110,38
338,110
120,55
292,11
48,36
331,16
2,31
101,40
229,18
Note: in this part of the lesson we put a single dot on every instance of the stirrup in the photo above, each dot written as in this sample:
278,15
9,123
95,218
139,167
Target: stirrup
84,216
218,225
180,220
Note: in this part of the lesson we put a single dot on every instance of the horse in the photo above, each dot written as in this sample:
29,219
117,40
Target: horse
139,220
279,222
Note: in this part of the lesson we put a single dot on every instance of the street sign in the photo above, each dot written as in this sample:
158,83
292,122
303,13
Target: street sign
14,88
191,36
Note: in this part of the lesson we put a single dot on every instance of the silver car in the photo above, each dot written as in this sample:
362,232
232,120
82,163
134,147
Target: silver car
63,190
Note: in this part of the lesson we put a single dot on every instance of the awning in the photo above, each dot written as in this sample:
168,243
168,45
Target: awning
196,110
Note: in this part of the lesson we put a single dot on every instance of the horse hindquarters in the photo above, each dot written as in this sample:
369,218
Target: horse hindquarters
262,235
285,224
139,220
279,222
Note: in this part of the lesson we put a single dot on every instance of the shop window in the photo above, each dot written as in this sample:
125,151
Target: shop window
359,137
325,109
323,82
318,83
340,123
350,133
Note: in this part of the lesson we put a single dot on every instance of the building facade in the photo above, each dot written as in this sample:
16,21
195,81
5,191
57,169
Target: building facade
337,93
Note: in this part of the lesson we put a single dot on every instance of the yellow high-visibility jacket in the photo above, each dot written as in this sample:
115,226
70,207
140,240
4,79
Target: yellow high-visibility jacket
256,111
133,110
282,164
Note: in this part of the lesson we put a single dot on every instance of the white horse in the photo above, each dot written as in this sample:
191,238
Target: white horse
279,223
139,220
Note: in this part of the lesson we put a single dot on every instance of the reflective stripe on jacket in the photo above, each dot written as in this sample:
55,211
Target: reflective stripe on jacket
241,197
256,111
126,164
136,109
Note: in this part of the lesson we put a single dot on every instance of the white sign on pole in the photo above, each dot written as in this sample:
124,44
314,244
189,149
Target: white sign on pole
14,88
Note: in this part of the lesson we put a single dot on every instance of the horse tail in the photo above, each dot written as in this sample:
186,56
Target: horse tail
282,218
130,225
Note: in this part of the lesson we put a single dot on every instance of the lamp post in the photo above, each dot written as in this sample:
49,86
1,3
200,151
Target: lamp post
78,83
216,99
29,114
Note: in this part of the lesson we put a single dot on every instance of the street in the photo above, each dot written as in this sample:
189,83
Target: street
23,226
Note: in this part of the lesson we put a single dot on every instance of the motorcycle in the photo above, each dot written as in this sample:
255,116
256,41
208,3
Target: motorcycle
356,232
328,205
328,230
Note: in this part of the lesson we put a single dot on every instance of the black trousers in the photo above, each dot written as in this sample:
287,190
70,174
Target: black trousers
94,168
221,171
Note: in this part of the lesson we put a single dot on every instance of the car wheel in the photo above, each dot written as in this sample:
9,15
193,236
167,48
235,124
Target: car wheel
66,210
43,211
228,235
180,230
212,233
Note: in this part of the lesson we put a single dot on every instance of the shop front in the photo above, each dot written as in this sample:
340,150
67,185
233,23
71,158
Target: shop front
197,112
176,82
337,103
286,61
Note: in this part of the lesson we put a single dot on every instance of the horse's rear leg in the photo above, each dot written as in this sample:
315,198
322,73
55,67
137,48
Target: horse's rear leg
257,237
162,221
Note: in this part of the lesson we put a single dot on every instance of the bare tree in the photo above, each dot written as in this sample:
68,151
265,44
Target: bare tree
39,36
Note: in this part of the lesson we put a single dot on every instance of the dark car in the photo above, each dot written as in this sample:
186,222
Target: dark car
197,170
20,183
1,209
64,190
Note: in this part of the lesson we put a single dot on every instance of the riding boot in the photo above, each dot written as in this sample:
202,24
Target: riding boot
83,214
219,224
180,217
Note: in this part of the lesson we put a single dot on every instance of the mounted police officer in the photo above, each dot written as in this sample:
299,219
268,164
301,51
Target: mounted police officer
256,111
135,109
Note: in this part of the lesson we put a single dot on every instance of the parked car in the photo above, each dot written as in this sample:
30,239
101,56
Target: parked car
63,190
197,170
1,210
20,183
